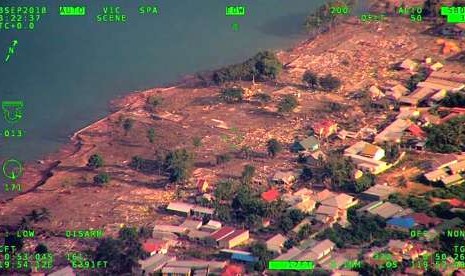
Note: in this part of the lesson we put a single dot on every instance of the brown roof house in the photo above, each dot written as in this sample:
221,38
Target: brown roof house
286,178
234,239
276,243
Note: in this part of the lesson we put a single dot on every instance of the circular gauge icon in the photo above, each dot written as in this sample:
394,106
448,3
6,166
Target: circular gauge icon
12,169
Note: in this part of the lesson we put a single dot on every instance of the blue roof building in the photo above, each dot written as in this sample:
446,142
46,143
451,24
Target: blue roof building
244,258
402,223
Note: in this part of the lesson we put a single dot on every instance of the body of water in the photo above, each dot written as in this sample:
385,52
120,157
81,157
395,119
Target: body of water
68,68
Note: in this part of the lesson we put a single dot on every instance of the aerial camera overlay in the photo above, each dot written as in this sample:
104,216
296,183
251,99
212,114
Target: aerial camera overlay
254,137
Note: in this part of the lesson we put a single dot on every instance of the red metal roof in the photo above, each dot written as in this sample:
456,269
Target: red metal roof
456,203
416,131
222,232
233,270
424,219
270,195
153,245
234,234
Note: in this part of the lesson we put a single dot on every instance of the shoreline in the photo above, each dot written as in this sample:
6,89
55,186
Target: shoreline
42,169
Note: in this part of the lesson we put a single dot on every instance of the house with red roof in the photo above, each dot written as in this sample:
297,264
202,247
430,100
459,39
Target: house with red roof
270,195
425,220
416,132
154,246
233,270
457,203
325,128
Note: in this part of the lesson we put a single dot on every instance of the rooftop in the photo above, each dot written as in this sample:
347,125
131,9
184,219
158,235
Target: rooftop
270,195
402,222
222,232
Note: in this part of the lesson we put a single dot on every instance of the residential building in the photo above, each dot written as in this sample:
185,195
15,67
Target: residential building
343,272
176,271
222,233
234,239
285,178
211,226
366,164
154,263
170,228
417,96
180,208
213,266
396,92
199,211
425,220
233,270
378,192
153,246
243,257
291,254
308,144
385,210
457,167
325,128
341,201
327,214
394,132
398,247
452,180
325,194
270,195
191,224
409,64
401,223
197,234
323,248
444,161
436,175
365,149
276,243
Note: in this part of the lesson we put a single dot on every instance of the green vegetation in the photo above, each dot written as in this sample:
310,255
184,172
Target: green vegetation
102,178
37,215
392,151
151,135
95,161
128,124
154,101
418,204
454,99
145,165
290,219
225,189
223,158
263,66
322,19
178,164
122,253
232,95
41,249
363,230
262,97
447,137
197,141
274,147
287,104
310,78
329,83
455,191
341,172
259,250
420,76
248,174
365,182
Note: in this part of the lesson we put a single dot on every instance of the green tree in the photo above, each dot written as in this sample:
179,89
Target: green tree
225,189
151,135
454,99
248,174
41,249
329,83
304,232
197,141
232,95
223,158
287,104
128,124
102,178
259,250
223,212
262,97
363,183
154,101
178,164
447,137
95,161
310,78
274,147
307,174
